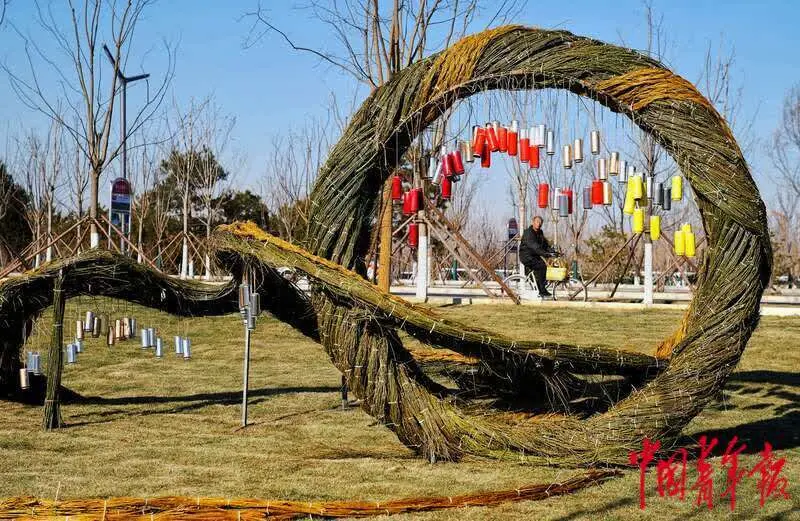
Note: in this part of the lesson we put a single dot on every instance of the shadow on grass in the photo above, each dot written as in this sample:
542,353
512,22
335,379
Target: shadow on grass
603,509
181,404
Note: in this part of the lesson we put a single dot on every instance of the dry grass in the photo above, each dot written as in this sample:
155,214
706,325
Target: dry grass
150,427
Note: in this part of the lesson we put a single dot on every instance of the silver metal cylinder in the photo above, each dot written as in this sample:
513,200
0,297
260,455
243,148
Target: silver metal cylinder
159,348
563,205
466,153
541,132
29,360
71,353
595,138
251,320
608,195
648,186
631,172
178,345
37,364
658,197
244,295
255,304
187,348
133,324
550,143
111,337
96,327
667,203
79,346
79,329
143,334
118,329
104,326
126,327
24,379
566,156
555,203
587,198
88,321
577,151
602,169
623,165
151,337
613,163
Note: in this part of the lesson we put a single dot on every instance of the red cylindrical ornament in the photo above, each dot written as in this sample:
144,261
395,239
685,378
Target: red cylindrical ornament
407,203
502,138
524,146
446,188
512,142
447,165
479,141
397,188
413,235
597,192
533,152
491,138
458,163
544,194
416,199
570,197
486,158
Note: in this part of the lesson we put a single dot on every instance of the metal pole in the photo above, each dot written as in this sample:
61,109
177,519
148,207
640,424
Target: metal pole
246,374
344,391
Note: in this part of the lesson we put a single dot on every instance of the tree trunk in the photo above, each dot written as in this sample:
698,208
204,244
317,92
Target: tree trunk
384,266
208,241
52,406
185,249
94,234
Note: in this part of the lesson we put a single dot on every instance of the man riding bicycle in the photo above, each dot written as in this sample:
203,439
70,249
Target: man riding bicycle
532,250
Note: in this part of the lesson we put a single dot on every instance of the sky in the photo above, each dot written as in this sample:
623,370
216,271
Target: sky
270,89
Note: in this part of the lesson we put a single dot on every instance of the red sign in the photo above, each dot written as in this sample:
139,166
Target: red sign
121,196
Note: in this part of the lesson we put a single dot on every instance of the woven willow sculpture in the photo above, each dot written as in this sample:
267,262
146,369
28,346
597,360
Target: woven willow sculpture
634,395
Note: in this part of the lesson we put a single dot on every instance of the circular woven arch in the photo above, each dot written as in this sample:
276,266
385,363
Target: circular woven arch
734,271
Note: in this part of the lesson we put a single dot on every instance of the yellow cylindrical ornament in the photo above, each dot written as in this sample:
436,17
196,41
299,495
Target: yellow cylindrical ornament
638,220
655,227
677,188
635,186
688,240
630,203
679,243
686,228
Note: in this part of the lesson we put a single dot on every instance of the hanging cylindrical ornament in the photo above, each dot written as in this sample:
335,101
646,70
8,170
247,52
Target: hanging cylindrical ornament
655,227
658,195
111,336
79,346
413,235
570,197
566,156
550,143
143,335
587,198
638,220
577,151
563,205
118,329
597,192
678,242
613,164
458,164
541,131
126,332
491,137
630,202
486,159
635,184
24,379
407,203
524,146
448,166
179,344
37,363
96,327
555,203
534,156
414,195
602,169
677,188
159,347
255,303
543,195
648,187
397,188
79,329
251,320
133,324
187,348
502,138
466,151
667,203
595,139
446,188
513,137
71,358
688,238
244,294
151,337
630,172
608,194
478,141
88,321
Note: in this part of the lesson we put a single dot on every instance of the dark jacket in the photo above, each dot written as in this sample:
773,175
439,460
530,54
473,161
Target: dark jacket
533,246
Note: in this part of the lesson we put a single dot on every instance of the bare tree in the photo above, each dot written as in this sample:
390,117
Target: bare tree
76,63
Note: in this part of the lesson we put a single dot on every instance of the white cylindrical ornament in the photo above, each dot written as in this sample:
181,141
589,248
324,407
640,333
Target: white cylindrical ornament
37,364
555,202
187,348
595,138
159,348
550,143
566,156
151,337
96,327
255,303
143,335
79,329
132,326
466,153
631,171
608,196
88,321
541,131
577,151
24,379
126,327
602,169
111,337
648,187
613,164
29,360
178,345
71,353
78,346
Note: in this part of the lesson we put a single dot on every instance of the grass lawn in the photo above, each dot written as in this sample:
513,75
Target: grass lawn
150,427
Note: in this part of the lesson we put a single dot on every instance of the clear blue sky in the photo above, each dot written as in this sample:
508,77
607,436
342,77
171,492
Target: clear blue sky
269,88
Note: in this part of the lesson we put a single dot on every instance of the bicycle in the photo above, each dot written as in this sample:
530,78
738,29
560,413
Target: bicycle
557,277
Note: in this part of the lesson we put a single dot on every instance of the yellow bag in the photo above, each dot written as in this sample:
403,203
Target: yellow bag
555,271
